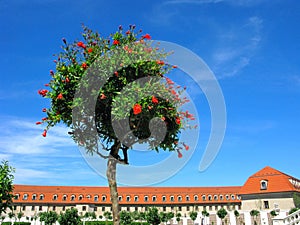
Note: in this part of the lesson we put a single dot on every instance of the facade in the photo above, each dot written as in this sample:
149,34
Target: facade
266,190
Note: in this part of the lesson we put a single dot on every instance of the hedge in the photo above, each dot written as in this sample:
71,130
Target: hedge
111,223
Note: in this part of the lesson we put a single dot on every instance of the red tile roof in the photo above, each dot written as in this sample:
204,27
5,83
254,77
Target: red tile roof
230,194
276,182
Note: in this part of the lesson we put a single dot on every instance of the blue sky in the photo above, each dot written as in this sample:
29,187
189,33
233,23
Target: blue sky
252,47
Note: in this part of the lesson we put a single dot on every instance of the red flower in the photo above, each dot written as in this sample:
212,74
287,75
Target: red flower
174,66
51,72
116,42
169,81
43,92
160,62
186,146
67,79
150,107
178,120
44,110
147,36
45,118
179,154
44,133
116,73
46,85
81,44
128,32
60,96
102,96
154,100
84,65
137,109
90,50
38,123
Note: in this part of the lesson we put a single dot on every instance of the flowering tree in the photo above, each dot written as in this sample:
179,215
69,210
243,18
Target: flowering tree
112,93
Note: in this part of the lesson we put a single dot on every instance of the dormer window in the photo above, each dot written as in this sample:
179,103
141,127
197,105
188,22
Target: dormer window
263,185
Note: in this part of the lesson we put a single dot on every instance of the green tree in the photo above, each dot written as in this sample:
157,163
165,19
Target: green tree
11,216
193,216
293,210
107,216
95,113
6,186
125,218
205,214
49,217
163,217
296,198
254,214
178,217
237,215
170,216
20,215
222,213
152,216
70,217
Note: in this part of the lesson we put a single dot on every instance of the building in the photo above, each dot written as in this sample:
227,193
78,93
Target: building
266,190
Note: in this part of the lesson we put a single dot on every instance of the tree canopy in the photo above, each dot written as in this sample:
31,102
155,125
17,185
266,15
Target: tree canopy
6,186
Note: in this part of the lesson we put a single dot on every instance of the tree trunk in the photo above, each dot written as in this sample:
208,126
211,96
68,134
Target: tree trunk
112,182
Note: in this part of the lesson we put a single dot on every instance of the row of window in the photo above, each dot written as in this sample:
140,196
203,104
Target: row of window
135,198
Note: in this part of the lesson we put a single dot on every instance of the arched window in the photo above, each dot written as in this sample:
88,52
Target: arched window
88,197
103,198
209,198
263,184
42,197
136,198
187,198
164,198
33,197
54,197
17,196
127,198
25,196
64,198
233,197
153,198
216,197
179,198
120,198
146,198
80,197
227,197
203,198
72,197
221,197
96,198
196,198
172,198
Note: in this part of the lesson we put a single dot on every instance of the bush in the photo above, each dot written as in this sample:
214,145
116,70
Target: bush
22,223
110,223
6,223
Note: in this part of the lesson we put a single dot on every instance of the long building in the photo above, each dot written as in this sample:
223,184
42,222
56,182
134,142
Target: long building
265,191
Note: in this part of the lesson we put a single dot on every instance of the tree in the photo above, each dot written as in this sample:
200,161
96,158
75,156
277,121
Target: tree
163,217
193,216
20,215
107,216
69,217
254,213
222,213
236,214
125,218
296,198
205,214
178,217
6,186
152,216
11,216
103,91
170,216
49,217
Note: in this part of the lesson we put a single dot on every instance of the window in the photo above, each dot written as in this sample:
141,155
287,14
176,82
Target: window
146,198
84,208
127,198
64,198
80,197
187,198
179,198
32,208
203,198
187,208
17,196
210,207
179,208
164,208
221,197
41,197
136,198
153,198
209,198
73,198
196,198
54,208
216,197
15,207
103,208
54,197
103,198
96,198
263,185
40,208
95,209
33,197
172,198
120,198
88,197
266,204
164,198
24,208
63,208
232,197
25,196
227,197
